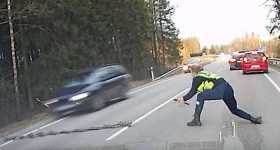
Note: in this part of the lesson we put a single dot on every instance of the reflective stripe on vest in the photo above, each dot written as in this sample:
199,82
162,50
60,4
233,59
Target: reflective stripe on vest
207,84
208,75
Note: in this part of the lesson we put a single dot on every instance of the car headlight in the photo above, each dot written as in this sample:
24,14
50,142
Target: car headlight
79,97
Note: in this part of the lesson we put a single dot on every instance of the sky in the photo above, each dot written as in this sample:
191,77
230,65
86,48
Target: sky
220,21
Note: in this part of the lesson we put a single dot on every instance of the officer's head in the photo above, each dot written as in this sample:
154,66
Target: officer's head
195,69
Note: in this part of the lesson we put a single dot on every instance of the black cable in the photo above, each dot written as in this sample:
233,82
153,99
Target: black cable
43,134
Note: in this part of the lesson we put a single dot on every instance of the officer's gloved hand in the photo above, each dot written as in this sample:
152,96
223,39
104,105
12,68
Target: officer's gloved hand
181,101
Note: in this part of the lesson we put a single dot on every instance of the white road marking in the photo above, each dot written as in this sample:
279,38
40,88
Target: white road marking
4,144
233,128
146,115
45,126
116,134
33,131
52,123
272,82
220,136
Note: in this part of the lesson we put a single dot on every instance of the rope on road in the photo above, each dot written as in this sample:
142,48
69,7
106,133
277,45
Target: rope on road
43,134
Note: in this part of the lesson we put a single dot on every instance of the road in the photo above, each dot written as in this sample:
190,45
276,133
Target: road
159,123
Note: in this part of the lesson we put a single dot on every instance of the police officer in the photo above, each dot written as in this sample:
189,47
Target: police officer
210,86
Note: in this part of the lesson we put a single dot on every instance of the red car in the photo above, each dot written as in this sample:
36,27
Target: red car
254,61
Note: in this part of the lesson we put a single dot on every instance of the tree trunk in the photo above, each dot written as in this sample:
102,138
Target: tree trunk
116,44
13,56
162,39
155,31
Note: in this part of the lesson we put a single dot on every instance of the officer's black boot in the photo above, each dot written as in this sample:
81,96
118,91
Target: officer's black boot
196,119
257,120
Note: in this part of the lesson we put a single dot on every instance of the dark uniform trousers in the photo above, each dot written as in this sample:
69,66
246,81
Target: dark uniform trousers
223,92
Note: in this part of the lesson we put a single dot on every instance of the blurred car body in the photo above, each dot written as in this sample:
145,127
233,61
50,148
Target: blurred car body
91,90
254,61
197,54
235,61
243,51
190,62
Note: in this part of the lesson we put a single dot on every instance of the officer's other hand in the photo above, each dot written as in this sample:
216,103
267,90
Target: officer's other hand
180,100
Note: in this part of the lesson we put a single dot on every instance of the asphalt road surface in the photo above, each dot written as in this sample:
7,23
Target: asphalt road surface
159,123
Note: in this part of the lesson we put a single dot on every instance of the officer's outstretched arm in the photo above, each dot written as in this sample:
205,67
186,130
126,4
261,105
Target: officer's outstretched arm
195,83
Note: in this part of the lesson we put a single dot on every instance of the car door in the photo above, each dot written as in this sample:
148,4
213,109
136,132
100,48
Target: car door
102,74
120,81
109,81
116,79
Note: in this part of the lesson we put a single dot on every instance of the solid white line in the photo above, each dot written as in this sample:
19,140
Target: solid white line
145,115
116,134
30,132
45,126
272,82
220,136
33,131
52,123
2,145
233,128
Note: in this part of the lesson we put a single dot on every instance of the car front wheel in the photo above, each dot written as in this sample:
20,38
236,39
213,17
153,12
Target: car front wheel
123,92
98,102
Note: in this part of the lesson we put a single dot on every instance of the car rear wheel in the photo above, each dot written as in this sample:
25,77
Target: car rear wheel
98,102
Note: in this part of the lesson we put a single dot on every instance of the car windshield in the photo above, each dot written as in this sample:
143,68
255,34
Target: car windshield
82,79
255,56
237,57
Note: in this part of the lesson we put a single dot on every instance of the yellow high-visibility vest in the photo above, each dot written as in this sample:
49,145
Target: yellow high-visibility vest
207,84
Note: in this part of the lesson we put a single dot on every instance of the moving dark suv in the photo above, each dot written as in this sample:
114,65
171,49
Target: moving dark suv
91,90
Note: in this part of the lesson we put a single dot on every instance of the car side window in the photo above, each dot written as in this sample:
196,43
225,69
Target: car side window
90,78
110,72
106,74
